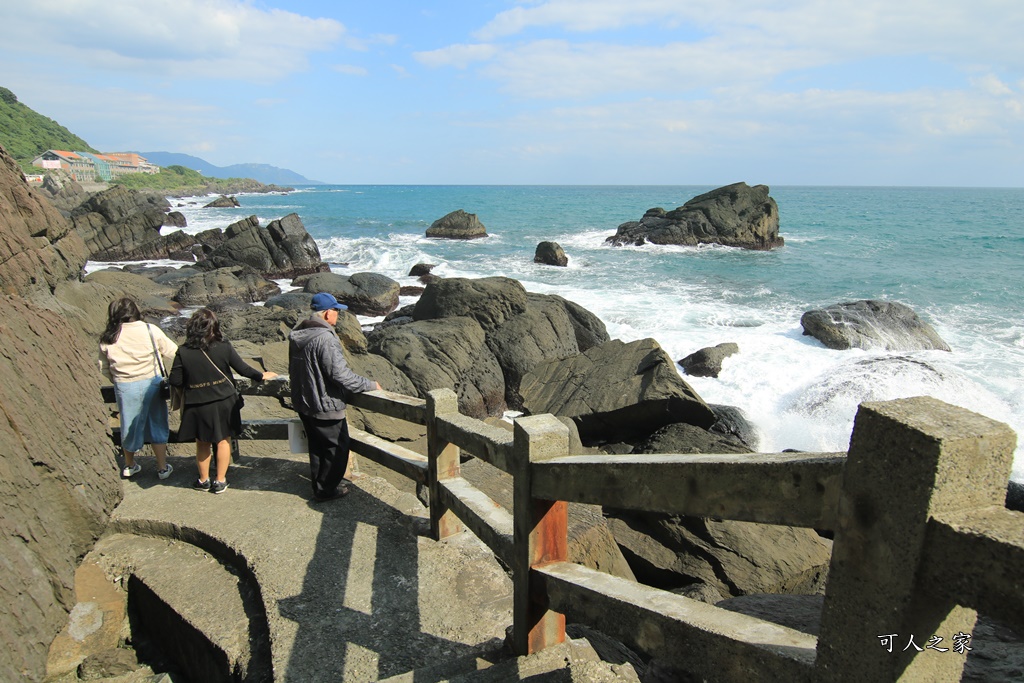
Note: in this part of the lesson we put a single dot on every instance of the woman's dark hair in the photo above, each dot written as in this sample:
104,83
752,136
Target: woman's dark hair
120,311
202,329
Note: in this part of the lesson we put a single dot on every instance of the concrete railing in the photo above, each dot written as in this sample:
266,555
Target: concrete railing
922,538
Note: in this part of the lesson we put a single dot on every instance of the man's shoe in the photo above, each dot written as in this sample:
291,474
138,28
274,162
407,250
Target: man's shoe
218,487
201,485
165,472
129,472
339,492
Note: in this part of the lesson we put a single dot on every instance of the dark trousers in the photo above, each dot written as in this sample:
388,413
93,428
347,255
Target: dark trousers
328,453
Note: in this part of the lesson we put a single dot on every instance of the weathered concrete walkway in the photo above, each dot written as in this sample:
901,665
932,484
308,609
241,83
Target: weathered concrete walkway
350,590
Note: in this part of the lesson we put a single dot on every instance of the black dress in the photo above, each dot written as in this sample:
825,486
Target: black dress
212,407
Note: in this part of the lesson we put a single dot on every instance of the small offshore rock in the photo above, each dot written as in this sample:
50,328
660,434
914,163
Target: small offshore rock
708,361
458,225
551,254
871,324
223,202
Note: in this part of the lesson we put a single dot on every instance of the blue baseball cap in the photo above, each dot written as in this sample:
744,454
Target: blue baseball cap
325,301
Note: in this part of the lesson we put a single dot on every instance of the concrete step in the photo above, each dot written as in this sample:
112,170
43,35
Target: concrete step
208,620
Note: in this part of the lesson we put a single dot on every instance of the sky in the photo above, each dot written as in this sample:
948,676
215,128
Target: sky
645,92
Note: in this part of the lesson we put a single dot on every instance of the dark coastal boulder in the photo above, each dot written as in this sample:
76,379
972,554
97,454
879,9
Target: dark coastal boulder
736,215
615,392
458,225
542,332
294,301
421,269
59,484
708,361
688,439
155,300
871,324
119,224
257,324
551,254
63,191
734,558
223,202
587,327
175,219
734,425
490,300
238,284
450,353
38,249
369,294
281,250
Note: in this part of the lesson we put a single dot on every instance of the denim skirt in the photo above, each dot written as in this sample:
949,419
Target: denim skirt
143,413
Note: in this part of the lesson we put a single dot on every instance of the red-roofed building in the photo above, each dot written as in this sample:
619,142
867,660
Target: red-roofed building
87,167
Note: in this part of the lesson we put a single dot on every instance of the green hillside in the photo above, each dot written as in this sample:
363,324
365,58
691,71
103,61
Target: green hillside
26,134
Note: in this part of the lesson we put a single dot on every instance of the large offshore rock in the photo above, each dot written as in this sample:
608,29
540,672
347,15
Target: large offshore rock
450,353
284,249
615,391
736,215
364,293
871,324
458,225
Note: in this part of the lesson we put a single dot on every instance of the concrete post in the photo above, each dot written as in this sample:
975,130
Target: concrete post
443,462
540,534
908,460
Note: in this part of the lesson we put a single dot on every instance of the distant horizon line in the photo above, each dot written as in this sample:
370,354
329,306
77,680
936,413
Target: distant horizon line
909,187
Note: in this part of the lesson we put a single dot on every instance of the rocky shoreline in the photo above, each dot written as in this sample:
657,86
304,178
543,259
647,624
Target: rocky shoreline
499,347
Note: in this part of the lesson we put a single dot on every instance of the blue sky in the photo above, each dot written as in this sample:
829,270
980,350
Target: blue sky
797,92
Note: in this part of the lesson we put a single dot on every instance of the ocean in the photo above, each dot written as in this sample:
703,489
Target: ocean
954,255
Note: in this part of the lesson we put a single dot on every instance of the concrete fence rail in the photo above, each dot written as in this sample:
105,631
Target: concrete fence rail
922,538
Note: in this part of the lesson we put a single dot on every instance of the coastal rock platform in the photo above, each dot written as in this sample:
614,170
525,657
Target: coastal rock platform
346,590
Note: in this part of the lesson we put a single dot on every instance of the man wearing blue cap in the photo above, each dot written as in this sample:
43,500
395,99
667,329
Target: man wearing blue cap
319,379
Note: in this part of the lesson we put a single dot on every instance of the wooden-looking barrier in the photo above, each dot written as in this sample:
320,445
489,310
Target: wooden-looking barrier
922,538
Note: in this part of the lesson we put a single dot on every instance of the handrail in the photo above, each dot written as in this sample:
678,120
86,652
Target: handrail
921,536
795,489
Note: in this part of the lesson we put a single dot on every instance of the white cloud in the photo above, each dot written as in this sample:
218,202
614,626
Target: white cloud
350,70
698,40
459,56
991,84
198,38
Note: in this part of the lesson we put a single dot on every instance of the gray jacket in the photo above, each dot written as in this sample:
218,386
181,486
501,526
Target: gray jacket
318,372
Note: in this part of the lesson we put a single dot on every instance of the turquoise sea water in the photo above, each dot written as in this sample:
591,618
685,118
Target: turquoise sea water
956,256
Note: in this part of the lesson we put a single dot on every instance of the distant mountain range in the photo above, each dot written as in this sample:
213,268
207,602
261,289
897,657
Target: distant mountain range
264,173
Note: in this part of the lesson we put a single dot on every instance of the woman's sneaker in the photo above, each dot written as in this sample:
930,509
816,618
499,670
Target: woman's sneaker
201,485
218,487
129,472
165,472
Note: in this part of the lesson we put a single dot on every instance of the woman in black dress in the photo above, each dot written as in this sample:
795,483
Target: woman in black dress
210,412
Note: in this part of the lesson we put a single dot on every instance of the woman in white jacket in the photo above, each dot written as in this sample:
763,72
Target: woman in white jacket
128,357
